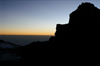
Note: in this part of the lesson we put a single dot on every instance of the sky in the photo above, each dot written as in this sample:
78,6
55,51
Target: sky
36,17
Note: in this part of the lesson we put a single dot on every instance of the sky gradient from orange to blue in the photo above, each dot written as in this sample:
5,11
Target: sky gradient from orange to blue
36,17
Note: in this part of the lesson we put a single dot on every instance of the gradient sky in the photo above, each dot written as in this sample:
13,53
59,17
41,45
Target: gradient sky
36,17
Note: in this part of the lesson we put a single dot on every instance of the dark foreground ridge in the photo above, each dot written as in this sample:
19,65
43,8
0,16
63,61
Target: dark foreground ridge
74,43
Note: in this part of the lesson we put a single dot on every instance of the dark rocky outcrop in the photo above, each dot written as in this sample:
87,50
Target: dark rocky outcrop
82,34
84,25
86,18
74,43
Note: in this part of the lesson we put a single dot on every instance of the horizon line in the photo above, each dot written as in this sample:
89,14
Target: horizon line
40,35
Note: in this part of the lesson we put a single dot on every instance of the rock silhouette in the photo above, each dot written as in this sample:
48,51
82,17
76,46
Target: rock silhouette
85,18
74,43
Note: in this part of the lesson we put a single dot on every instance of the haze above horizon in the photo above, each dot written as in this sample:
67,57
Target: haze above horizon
36,17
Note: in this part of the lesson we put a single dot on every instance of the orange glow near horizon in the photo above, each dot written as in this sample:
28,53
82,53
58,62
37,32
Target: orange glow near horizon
26,33
20,31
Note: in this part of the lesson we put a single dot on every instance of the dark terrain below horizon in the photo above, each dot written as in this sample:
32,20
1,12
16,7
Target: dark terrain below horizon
24,39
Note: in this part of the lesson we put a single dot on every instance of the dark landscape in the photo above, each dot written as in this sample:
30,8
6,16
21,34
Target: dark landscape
75,43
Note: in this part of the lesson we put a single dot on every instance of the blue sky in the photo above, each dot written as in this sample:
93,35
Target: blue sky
36,17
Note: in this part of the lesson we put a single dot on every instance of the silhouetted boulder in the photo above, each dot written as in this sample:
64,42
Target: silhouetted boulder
84,23
81,36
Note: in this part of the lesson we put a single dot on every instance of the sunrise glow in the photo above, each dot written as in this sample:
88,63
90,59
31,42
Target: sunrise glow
35,17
